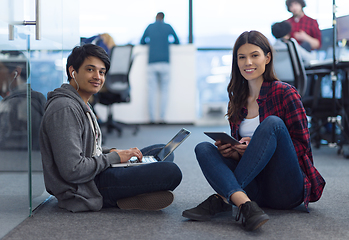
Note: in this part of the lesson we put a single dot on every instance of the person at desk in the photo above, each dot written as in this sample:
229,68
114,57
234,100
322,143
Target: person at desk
273,167
77,170
304,29
282,32
157,36
103,40
13,105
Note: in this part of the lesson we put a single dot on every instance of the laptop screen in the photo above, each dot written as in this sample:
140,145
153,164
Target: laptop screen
173,144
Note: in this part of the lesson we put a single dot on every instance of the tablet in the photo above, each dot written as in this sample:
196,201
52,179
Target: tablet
223,137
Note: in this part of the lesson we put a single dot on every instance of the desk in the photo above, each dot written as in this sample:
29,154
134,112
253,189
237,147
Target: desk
327,64
324,67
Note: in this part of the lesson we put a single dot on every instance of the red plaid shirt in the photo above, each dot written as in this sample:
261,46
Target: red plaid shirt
308,25
281,99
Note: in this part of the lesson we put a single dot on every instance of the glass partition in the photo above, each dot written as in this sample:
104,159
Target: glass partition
14,134
29,68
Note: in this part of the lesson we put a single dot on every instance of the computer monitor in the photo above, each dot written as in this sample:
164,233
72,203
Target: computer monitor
326,39
343,28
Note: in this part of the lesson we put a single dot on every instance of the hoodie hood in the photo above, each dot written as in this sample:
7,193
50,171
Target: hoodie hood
68,91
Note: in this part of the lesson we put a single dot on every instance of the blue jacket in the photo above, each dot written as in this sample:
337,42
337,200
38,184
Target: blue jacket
156,35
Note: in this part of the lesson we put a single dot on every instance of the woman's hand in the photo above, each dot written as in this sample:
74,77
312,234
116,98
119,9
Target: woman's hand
225,149
125,155
241,148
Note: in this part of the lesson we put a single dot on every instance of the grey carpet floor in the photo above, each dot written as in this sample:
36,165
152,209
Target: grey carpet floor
328,218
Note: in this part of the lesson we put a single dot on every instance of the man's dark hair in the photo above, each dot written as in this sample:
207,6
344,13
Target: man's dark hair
281,29
80,53
14,59
160,16
288,3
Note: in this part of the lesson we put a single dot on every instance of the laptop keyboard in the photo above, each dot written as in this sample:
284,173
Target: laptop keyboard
148,159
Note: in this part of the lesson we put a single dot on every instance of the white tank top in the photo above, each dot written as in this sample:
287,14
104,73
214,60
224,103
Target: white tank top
248,126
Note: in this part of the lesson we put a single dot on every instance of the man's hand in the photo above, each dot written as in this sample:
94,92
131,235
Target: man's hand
125,155
304,37
301,36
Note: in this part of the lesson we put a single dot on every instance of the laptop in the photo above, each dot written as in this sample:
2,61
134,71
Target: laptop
162,155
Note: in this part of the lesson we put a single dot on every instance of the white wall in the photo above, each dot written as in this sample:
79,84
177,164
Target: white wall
182,95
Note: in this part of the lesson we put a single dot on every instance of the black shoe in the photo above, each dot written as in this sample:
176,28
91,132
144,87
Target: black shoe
207,209
252,216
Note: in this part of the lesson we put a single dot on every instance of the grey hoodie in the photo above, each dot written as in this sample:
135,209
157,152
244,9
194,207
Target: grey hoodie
67,143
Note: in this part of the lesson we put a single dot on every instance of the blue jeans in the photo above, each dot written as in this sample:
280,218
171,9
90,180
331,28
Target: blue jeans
158,85
268,171
118,183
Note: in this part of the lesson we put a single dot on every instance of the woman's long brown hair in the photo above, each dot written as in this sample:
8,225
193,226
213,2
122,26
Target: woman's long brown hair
238,90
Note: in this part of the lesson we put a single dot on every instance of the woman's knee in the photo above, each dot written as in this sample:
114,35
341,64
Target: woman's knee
204,151
271,123
273,120
204,148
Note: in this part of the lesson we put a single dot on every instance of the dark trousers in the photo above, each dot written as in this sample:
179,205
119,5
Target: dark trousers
118,183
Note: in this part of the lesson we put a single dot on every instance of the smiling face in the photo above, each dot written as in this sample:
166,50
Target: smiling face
89,78
252,62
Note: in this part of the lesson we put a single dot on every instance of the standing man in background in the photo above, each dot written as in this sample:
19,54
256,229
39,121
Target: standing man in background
157,36
304,29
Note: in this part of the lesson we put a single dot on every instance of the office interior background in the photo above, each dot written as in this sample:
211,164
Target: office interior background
201,69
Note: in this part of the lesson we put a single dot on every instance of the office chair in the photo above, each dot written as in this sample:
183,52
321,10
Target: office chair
116,88
320,110
289,67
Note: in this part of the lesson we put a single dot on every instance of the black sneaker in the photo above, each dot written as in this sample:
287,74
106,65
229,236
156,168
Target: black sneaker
207,209
149,201
252,216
